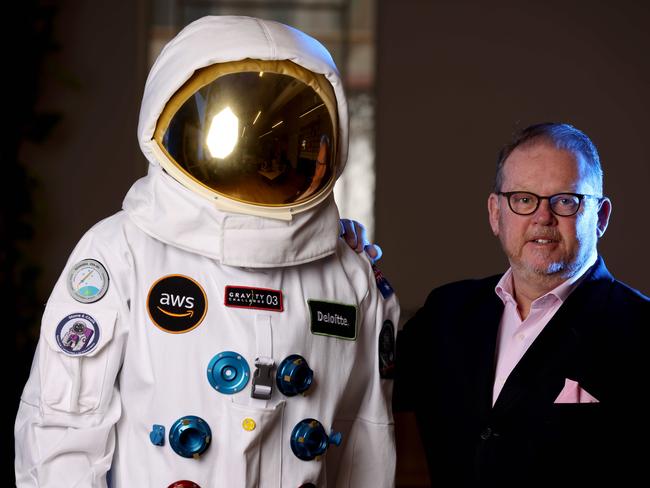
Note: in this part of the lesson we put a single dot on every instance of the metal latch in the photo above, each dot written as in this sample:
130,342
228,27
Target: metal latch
263,378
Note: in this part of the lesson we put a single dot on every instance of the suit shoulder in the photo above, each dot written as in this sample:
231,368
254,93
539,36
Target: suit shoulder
108,237
633,293
624,293
108,227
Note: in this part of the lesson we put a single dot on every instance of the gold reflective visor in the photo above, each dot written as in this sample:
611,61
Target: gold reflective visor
259,132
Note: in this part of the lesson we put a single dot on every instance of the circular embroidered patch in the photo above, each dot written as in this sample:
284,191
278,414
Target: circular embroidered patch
88,281
77,334
177,304
387,350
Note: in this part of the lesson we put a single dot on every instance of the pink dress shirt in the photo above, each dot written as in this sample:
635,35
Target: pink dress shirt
516,335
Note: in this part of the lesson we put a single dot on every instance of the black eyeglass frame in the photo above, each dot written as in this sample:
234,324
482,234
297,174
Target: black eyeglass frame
579,196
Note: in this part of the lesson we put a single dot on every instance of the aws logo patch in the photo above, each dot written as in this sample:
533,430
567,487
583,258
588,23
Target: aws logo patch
177,304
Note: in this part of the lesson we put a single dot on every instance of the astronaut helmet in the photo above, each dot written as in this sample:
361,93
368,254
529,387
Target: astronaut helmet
255,135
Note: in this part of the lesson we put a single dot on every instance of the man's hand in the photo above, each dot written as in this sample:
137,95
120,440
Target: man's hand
354,235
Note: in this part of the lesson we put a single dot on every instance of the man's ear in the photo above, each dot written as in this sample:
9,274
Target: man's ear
494,211
604,212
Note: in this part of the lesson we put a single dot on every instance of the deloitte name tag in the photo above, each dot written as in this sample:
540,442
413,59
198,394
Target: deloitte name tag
333,319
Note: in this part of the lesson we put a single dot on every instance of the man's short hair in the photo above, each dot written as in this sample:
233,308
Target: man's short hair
562,136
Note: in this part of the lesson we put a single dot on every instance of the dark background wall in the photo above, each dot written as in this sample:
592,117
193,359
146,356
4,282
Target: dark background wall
85,166
455,79
76,71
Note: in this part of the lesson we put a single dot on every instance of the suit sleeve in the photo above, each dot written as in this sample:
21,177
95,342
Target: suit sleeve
367,452
64,430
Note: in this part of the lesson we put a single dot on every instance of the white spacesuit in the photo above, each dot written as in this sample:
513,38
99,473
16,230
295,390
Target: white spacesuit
230,338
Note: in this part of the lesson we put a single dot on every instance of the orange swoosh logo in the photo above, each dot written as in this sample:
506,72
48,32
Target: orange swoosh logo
189,313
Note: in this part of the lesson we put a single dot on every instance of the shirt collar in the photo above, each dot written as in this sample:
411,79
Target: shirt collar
504,288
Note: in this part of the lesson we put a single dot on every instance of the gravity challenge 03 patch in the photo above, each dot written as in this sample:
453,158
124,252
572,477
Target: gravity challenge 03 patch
333,319
255,298
177,304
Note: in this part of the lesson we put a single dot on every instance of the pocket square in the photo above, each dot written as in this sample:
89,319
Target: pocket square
573,393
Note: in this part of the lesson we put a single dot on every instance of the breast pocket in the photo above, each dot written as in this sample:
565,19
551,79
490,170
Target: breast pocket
74,365
575,419
576,437
251,451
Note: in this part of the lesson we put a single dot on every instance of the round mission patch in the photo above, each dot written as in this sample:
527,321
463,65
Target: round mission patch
77,334
387,350
88,281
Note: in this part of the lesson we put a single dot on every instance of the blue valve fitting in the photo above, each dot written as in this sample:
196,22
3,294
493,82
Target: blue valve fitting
294,375
190,436
309,439
228,372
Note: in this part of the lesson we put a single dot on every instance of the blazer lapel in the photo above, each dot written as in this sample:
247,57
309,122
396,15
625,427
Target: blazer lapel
540,374
486,318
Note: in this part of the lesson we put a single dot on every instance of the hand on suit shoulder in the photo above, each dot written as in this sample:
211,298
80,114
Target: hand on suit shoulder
355,236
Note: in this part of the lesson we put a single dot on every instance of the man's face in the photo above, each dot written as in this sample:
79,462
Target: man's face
543,247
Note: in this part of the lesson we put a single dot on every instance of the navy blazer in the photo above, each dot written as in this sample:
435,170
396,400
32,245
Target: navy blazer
598,337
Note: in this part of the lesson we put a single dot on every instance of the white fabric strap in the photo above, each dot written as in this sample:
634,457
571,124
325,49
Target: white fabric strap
263,356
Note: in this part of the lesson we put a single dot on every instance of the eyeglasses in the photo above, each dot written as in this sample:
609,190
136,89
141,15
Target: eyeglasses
562,204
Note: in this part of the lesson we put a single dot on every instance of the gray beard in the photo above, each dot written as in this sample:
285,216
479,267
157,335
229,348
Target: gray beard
556,273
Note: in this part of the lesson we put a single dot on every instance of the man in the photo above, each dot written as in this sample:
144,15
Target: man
534,377
217,332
